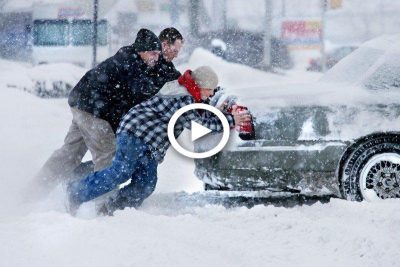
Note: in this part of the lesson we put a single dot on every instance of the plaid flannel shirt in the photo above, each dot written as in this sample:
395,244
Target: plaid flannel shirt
149,121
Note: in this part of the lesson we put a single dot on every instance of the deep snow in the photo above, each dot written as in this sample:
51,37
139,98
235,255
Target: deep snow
175,227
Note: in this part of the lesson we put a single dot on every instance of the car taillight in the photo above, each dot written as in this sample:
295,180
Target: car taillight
246,130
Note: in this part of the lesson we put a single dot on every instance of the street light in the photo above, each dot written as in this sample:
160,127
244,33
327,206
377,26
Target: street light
267,35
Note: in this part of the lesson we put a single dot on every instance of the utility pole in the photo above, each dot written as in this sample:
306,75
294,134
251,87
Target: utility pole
174,12
94,43
267,34
194,14
324,5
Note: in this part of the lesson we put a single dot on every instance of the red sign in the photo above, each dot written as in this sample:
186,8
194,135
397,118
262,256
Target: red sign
302,32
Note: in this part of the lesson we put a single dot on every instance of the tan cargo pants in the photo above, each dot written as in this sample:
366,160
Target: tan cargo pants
85,133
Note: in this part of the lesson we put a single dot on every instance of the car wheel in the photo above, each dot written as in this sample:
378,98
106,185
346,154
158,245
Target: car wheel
372,171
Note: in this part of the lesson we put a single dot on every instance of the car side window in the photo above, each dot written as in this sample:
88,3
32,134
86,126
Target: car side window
386,76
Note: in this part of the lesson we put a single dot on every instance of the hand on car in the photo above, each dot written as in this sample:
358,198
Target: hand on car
240,118
223,106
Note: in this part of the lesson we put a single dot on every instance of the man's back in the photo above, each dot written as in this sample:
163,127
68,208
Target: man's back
110,89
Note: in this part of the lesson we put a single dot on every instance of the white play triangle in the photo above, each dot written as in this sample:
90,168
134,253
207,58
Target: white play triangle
198,131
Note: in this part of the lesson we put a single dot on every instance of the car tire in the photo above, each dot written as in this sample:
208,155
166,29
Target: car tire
372,170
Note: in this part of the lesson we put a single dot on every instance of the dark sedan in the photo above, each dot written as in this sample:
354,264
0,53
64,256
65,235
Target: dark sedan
339,136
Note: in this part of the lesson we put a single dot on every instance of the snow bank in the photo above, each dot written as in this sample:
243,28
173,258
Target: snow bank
47,80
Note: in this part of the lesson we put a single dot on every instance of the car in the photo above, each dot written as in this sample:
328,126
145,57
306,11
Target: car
332,58
339,136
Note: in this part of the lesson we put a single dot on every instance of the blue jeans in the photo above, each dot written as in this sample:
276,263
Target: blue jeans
132,160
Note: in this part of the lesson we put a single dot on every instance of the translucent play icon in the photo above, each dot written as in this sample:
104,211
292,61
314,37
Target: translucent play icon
198,131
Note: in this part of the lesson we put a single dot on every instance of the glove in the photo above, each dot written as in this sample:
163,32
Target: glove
223,101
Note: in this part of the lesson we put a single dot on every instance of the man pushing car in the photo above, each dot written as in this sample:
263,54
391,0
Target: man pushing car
142,141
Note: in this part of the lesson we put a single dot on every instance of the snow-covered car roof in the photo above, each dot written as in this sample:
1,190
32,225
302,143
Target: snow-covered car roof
385,43
369,75
368,61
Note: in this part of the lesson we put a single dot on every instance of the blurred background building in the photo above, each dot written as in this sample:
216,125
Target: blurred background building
41,31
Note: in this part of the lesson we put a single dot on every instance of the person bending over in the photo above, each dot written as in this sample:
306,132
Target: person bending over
142,141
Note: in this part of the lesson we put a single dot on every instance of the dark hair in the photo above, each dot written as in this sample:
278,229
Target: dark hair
170,35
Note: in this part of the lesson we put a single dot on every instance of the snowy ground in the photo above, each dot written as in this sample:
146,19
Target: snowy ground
177,225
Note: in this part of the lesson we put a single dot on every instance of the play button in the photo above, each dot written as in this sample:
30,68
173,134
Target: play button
198,131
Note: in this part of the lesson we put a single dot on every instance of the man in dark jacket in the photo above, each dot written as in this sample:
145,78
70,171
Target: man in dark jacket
99,101
109,90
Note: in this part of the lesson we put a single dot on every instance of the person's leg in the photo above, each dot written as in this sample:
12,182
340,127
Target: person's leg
60,164
98,136
143,184
129,151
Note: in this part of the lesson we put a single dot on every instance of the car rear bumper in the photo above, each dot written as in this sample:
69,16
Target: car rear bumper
309,167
